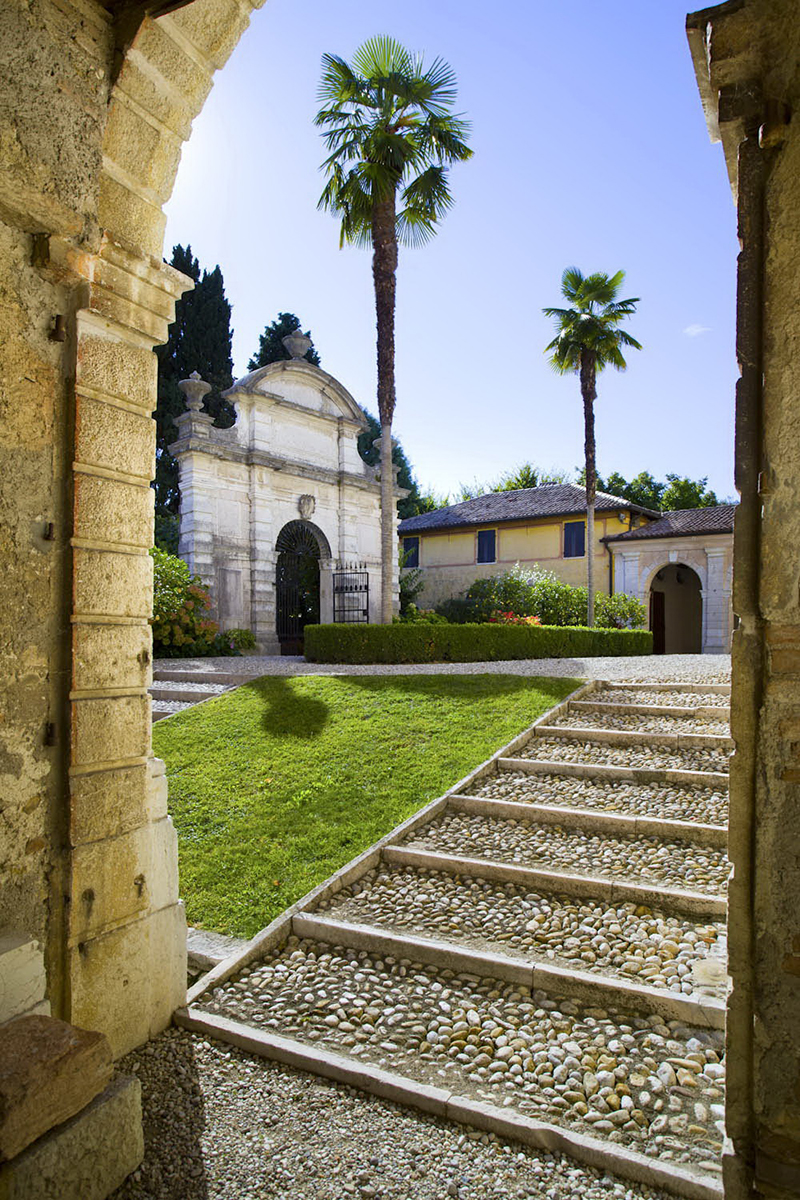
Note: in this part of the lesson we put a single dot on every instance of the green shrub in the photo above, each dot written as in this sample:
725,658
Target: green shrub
531,592
181,628
417,642
423,616
234,641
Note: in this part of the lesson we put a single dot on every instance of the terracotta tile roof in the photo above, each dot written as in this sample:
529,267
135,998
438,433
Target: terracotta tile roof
550,500
682,522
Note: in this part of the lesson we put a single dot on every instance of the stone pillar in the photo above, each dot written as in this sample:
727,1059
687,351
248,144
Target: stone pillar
716,604
262,563
125,936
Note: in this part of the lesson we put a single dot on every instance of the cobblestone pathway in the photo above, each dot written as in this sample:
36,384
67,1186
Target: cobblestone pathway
540,954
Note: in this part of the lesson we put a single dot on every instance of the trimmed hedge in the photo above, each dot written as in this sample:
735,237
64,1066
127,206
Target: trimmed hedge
417,643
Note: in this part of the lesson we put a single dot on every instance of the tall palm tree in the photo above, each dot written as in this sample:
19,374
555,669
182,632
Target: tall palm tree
391,134
588,339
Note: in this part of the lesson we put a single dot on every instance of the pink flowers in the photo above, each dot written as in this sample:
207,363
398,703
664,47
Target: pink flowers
510,618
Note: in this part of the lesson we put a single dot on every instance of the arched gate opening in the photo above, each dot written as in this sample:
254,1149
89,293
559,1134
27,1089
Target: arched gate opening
676,610
297,584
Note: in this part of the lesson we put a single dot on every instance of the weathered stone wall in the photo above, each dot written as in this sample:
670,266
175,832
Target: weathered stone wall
93,111
747,57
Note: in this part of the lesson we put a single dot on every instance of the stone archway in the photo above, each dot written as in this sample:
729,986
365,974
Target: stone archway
676,610
298,599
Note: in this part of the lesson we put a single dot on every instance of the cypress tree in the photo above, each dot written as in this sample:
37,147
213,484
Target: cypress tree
199,340
271,348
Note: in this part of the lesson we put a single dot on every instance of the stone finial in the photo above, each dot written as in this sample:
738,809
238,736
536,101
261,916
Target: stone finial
297,343
195,390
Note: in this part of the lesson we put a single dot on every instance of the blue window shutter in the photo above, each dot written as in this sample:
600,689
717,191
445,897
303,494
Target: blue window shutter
486,546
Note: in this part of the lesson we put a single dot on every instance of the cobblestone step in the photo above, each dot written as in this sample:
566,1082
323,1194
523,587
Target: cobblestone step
702,693
603,823
190,693
645,1084
680,724
551,745
576,768
640,944
636,859
675,802
166,708
713,712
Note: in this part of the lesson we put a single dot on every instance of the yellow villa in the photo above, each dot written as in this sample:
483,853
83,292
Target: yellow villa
487,535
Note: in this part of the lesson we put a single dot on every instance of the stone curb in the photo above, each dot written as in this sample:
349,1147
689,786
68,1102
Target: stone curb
591,819
692,903
598,990
159,693
266,939
631,737
229,678
540,766
653,710
388,1085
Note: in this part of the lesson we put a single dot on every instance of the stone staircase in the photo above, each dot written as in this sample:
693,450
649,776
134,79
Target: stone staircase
540,953
176,688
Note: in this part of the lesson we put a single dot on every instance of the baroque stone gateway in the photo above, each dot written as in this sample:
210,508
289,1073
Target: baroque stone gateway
280,515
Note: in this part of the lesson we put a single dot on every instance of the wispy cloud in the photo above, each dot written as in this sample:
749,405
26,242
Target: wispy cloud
696,330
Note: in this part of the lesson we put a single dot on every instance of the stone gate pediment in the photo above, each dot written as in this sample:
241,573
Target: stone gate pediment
299,384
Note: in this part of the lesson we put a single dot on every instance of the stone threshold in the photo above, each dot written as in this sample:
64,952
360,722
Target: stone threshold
598,990
696,904
696,689
389,1085
541,766
592,819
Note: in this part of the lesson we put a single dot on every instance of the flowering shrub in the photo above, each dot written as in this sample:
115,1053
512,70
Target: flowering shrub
181,627
510,618
532,592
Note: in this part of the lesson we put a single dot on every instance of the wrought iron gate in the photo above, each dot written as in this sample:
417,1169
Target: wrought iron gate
297,585
351,593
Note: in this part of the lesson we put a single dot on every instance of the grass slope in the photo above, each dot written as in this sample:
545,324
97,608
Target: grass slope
276,785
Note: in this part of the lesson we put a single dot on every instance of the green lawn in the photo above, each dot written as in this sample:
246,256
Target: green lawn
276,785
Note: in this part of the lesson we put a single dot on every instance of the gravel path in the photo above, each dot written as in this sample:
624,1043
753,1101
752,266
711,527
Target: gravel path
222,1125
621,940
678,699
638,723
647,1083
672,802
676,668
552,847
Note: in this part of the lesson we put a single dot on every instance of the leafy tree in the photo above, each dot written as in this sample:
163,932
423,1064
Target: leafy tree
271,348
588,339
199,340
390,133
528,476
677,492
687,493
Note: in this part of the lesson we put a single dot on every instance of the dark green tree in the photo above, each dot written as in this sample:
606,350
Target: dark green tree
199,340
678,491
528,476
391,134
687,493
270,347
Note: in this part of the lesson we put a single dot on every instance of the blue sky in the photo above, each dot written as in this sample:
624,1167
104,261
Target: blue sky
590,149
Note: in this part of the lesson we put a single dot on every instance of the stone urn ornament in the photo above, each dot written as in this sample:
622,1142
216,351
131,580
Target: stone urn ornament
195,390
297,344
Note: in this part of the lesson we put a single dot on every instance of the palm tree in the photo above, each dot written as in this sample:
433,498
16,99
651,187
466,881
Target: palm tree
391,133
588,340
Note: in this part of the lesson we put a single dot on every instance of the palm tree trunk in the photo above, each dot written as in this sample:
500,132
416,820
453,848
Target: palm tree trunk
384,274
589,394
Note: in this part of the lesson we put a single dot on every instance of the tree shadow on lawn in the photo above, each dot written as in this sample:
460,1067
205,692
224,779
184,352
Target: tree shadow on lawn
291,713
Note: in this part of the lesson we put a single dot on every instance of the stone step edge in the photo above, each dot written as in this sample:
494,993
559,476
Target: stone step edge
696,904
635,737
592,819
697,689
541,766
599,990
192,697
401,1089
653,710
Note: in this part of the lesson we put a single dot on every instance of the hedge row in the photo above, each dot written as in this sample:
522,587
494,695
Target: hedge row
416,643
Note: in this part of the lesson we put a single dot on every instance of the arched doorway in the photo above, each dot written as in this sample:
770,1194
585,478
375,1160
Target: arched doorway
676,610
296,584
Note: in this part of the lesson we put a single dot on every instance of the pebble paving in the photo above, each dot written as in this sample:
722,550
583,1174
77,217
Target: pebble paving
661,698
171,706
622,940
641,723
672,802
651,1084
675,863
554,749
